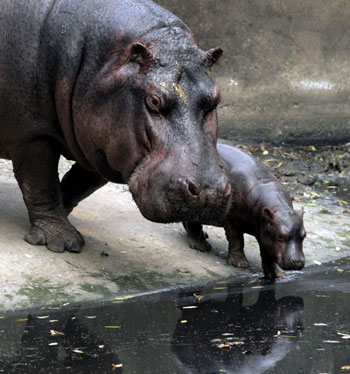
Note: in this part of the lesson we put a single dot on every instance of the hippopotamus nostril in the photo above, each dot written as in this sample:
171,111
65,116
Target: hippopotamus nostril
193,188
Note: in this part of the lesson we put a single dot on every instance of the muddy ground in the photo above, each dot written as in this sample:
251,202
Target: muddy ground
125,253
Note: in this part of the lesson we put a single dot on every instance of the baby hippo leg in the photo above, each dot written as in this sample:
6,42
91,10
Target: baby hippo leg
197,238
236,256
270,268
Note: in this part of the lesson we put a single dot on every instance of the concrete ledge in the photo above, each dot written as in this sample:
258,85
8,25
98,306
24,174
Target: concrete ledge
125,253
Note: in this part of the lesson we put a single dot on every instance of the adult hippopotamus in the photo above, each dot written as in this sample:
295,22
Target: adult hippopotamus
121,88
261,207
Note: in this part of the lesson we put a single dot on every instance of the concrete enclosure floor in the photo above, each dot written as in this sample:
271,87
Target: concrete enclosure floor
126,254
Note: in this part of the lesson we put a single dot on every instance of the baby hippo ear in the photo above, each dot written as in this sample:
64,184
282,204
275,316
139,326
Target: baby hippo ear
268,214
213,55
301,213
141,54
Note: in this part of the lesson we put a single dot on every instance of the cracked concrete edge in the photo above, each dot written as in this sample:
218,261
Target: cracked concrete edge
126,254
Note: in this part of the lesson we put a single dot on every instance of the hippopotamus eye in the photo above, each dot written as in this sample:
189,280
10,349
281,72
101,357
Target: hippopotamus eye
154,103
281,237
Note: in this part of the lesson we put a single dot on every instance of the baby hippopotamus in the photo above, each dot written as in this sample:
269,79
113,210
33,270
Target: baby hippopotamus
260,207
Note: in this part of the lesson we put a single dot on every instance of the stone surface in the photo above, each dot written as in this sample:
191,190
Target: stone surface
284,75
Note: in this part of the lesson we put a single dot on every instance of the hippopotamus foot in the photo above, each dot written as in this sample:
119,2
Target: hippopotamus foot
77,184
58,236
271,269
236,256
237,259
35,168
197,238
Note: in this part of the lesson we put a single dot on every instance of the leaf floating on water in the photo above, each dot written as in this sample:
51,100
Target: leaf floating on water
331,341
78,351
237,343
320,324
215,340
198,297
225,346
112,327
42,317
52,344
53,320
190,307
344,336
247,352
122,298
220,288
90,317
258,287
116,366
54,333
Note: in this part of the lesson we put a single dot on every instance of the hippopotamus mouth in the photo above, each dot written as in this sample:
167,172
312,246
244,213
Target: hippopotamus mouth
292,263
163,196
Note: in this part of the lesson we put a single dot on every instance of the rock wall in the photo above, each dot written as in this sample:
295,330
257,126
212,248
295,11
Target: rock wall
285,74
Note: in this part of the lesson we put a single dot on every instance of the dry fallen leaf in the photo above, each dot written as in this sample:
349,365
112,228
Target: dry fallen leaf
116,366
54,333
198,297
78,351
225,346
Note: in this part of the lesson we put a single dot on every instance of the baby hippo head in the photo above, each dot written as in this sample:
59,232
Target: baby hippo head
282,234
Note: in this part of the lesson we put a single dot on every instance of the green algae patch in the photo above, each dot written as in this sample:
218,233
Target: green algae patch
40,291
98,289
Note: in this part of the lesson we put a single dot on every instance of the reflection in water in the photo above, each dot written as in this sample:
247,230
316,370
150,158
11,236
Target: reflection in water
59,344
228,336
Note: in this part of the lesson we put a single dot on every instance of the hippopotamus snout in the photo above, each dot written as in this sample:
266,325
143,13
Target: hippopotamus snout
293,259
179,191
196,192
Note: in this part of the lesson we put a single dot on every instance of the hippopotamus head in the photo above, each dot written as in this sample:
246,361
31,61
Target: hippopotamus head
282,234
148,117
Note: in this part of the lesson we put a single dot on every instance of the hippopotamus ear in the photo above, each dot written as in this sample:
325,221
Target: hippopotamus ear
301,213
268,214
140,54
213,55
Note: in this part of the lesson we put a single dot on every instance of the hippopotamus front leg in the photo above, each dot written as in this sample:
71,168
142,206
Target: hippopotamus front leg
197,238
270,268
35,168
77,184
236,256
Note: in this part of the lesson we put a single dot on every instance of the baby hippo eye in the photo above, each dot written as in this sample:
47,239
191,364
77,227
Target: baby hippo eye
154,103
280,238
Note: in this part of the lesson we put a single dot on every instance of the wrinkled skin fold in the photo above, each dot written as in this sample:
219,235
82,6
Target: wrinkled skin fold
121,88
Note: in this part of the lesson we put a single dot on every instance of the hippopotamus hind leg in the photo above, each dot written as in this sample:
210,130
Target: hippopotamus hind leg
35,167
197,238
236,256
